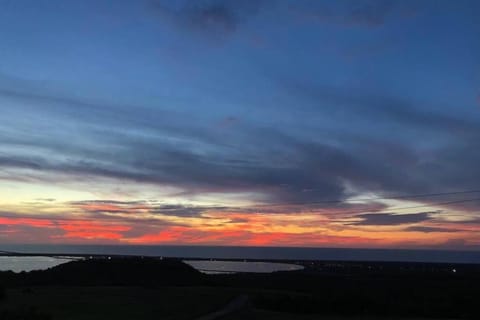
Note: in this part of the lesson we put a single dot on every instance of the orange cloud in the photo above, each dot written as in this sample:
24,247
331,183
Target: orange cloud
72,229
282,227
186,235
26,221
89,235
92,230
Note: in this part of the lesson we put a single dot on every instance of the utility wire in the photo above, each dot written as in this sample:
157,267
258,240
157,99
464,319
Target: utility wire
413,196
358,211
437,204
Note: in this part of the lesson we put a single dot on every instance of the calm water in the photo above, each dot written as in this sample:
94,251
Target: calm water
219,266
263,253
18,264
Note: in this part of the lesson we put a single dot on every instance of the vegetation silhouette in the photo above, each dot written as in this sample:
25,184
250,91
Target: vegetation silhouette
107,272
323,288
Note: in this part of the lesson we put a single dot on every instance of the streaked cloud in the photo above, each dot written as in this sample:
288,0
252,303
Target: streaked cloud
427,229
362,13
129,126
217,18
391,219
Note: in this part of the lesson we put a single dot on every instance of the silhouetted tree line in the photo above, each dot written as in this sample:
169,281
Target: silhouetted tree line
104,272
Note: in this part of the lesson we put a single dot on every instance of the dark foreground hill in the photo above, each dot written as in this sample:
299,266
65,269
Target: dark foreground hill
370,289
105,272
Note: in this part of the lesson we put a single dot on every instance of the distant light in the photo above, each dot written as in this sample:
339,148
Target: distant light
454,270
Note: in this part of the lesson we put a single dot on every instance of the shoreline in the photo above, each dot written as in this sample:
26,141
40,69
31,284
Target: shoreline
306,263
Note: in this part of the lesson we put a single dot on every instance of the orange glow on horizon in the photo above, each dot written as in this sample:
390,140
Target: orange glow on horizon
131,223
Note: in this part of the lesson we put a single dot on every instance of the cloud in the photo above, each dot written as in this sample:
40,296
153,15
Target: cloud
228,122
45,199
97,208
162,164
135,208
107,202
359,13
276,165
183,210
45,228
284,181
355,13
362,105
427,229
372,13
180,235
215,18
391,219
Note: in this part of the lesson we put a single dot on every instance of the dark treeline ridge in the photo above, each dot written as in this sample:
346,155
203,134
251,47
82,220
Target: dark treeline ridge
105,272
329,288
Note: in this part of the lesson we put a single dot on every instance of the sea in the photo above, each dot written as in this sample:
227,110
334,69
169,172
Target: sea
222,266
19,264
255,253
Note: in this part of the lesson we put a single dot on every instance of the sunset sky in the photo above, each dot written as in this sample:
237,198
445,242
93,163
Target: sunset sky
225,122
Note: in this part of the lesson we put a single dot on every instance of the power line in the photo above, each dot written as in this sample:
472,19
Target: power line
357,211
413,196
436,204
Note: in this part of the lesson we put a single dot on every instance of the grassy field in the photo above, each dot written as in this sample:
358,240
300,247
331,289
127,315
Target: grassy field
256,314
171,303
78,303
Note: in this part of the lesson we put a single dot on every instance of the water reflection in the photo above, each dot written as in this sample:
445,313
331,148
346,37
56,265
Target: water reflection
18,264
221,266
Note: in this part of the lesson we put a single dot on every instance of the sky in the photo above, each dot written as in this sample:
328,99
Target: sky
249,123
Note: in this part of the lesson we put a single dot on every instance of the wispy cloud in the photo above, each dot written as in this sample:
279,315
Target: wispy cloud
264,145
135,208
391,219
361,13
216,19
427,229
